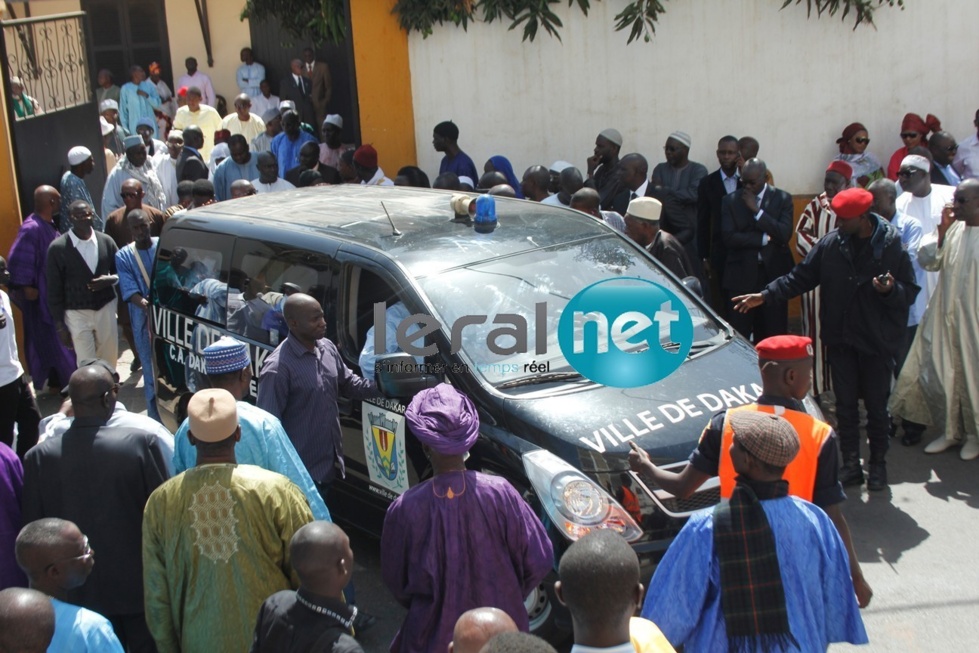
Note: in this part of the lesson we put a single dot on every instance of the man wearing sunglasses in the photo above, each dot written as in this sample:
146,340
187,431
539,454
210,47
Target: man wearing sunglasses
57,559
100,477
925,202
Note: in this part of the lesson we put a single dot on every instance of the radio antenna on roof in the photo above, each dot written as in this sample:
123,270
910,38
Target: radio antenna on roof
394,230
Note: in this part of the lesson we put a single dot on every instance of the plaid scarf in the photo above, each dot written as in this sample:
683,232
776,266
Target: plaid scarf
752,596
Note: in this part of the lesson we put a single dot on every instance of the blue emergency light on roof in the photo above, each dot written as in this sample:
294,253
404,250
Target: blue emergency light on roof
485,220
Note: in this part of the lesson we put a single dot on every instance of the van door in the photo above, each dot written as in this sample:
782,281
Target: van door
382,459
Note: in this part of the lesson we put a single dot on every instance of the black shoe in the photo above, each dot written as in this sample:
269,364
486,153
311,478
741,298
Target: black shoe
851,473
135,365
363,621
892,430
910,439
877,477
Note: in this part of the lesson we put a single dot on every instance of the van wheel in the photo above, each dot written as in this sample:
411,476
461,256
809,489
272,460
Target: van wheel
549,619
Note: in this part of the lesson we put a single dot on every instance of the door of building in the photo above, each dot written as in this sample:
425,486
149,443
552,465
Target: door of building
275,49
124,33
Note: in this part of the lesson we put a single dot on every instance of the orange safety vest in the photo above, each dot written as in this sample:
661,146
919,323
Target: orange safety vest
631,504
801,472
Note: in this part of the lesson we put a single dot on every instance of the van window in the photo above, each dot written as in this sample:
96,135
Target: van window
269,273
192,275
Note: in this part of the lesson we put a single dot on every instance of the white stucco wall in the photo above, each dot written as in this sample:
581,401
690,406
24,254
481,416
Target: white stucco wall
715,67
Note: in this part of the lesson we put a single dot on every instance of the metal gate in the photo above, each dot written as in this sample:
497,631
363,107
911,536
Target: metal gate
49,57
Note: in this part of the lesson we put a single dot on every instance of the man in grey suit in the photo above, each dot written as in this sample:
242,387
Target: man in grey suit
756,225
318,72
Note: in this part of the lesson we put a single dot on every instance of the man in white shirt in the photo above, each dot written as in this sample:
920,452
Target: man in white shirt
17,405
81,296
924,201
966,161
569,183
268,175
250,73
198,79
197,112
264,100
166,170
242,121
365,162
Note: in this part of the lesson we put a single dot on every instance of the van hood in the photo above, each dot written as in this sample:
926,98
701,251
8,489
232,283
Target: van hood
591,426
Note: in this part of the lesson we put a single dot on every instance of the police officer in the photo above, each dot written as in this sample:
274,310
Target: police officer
867,286
786,371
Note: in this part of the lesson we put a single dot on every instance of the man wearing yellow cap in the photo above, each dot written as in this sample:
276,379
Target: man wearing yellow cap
216,538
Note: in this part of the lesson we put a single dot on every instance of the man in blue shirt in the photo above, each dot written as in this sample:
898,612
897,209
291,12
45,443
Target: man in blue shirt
455,160
134,263
286,145
57,558
263,440
799,596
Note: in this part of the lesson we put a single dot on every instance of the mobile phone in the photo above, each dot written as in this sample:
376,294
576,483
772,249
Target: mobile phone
882,278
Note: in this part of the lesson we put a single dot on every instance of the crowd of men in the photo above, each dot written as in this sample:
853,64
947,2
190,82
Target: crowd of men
235,503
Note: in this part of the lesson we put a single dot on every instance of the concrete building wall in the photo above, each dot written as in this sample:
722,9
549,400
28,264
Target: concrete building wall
714,67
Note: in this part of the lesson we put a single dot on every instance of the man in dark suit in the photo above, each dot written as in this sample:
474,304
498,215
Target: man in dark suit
756,224
299,88
190,164
318,72
943,147
710,244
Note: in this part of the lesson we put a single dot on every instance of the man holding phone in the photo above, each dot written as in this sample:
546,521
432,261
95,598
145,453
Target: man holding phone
867,286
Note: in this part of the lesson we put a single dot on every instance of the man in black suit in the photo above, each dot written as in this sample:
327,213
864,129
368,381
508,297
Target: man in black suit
190,164
634,177
943,147
299,89
756,224
710,244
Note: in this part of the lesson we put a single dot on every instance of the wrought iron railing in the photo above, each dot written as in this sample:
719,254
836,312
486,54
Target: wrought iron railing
48,55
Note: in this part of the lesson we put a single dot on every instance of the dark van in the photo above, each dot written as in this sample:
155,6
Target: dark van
560,438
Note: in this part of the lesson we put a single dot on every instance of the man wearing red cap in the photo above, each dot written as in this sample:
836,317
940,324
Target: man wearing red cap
786,364
365,163
816,221
863,267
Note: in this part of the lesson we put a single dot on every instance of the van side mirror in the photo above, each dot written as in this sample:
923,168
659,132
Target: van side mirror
401,377
693,285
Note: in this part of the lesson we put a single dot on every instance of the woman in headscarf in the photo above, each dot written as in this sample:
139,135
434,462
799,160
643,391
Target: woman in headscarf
502,165
853,150
914,132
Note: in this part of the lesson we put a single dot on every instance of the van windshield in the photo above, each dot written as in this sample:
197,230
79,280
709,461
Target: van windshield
516,284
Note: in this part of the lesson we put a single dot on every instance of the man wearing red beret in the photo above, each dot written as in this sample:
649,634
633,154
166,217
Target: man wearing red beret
786,364
365,163
864,272
816,221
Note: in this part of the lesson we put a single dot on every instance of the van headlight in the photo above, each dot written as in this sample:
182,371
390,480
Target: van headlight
575,503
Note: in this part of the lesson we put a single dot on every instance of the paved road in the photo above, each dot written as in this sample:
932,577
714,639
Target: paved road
918,544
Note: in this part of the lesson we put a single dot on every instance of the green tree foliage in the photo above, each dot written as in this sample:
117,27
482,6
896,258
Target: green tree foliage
324,19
